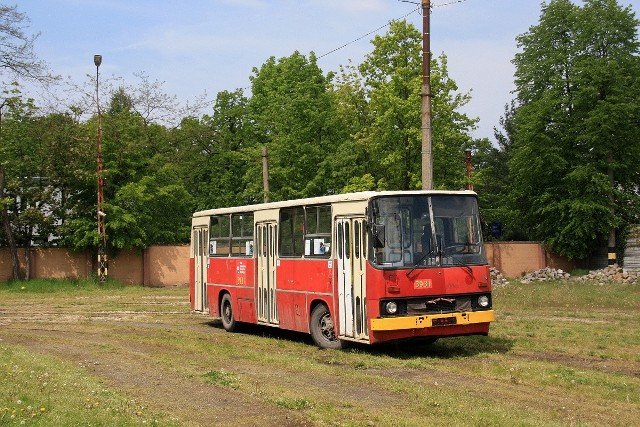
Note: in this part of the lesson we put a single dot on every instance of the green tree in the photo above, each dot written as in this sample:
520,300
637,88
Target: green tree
392,77
493,184
348,166
289,111
576,141
211,152
146,201
18,59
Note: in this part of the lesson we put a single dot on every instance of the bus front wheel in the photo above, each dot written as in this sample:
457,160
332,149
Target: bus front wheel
322,328
226,313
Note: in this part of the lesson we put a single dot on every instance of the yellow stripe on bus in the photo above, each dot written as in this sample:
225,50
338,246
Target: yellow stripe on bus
426,321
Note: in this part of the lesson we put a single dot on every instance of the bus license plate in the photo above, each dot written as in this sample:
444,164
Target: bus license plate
443,321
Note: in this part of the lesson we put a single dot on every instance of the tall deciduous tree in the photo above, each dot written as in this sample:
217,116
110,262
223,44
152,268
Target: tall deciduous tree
289,111
211,153
392,77
16,46
577,127
17,59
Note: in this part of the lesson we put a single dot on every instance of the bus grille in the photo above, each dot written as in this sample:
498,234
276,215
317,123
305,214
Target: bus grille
434,305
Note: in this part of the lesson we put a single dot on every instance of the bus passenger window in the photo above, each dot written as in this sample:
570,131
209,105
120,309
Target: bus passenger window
219,244
242,234
317,237
291,231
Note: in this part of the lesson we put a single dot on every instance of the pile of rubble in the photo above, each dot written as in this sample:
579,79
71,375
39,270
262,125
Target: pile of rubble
612,273
497,278
544,275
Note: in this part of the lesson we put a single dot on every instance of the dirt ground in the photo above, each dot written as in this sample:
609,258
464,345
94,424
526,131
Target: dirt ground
108,344
129,346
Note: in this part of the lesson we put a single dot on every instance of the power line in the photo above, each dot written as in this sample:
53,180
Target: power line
389,23
448,4
368,34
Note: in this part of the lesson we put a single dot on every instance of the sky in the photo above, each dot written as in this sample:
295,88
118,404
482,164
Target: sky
195,46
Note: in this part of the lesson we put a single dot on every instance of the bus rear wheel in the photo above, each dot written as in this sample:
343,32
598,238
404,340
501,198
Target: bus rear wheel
322,329
226,313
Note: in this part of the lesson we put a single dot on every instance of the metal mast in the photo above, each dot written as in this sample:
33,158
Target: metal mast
102,249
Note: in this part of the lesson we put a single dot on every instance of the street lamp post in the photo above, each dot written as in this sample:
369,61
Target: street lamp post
102,249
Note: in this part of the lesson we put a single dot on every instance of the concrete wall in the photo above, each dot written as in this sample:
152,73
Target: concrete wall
514,259
169,265
156,266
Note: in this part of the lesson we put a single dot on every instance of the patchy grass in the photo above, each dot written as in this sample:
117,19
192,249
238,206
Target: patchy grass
55,285
559,354
223,378
45,391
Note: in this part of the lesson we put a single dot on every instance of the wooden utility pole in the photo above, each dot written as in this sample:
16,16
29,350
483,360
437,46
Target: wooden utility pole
265,173
425,98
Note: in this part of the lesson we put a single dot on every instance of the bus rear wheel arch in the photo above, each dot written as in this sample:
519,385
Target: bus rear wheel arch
322,328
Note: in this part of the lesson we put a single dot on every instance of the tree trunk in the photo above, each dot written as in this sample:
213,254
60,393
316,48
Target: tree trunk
6,224
612,252
27,255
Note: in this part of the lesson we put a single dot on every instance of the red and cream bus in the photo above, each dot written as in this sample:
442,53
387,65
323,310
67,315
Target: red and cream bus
367,267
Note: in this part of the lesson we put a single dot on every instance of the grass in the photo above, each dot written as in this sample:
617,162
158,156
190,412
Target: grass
46,286
46,391
559,354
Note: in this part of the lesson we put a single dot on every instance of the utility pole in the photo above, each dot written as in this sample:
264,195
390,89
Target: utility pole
102,249
265,173
425,98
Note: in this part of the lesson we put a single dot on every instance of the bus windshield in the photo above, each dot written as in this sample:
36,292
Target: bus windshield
425,230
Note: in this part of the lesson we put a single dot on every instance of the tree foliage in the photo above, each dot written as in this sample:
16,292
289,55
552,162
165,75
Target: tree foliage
576,146
16,46
392,79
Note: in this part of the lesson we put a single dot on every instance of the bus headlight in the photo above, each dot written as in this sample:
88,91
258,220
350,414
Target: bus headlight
483,301
391,307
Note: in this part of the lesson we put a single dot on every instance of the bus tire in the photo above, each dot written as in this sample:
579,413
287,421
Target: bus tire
226,313
322,329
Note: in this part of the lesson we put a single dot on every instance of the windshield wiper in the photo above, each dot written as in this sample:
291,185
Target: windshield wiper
417,263
458,262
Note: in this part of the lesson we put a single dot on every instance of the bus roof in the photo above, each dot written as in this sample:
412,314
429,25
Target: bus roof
337,198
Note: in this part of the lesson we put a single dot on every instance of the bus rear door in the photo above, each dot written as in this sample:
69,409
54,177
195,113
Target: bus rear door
200,245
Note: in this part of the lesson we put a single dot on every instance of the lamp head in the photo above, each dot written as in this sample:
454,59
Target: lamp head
97,59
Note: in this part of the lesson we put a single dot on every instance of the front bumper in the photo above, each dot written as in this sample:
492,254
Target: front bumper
431,320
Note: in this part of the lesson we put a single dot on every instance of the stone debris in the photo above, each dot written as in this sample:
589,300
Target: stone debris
497,278
545,274
611,274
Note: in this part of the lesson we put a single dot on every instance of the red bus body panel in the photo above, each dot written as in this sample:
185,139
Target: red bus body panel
299,283
424,282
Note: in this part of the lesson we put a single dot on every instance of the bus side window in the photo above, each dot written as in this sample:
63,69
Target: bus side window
219,230
242,234
291,231
317,238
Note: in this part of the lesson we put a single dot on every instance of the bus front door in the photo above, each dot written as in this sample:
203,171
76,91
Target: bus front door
352,290
200,245
266,233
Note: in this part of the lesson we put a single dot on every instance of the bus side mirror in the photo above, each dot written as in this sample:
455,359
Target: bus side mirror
378,235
